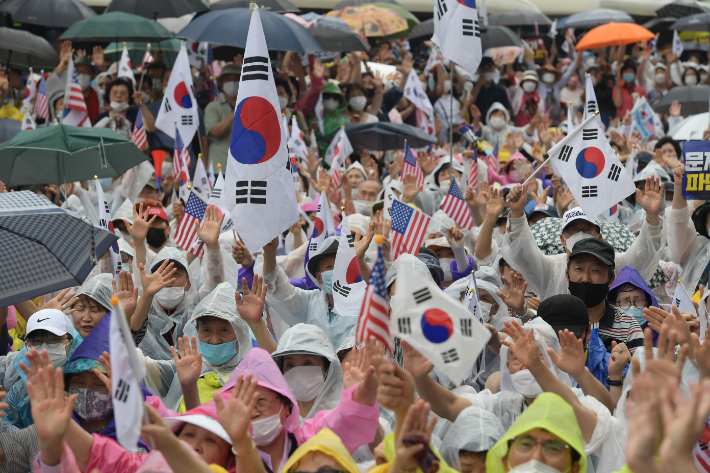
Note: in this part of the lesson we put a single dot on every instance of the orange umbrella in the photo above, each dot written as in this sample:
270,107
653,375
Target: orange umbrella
614,34
371,20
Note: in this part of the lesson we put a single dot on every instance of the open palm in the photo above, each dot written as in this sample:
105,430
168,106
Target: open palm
46,392
252,307
235,415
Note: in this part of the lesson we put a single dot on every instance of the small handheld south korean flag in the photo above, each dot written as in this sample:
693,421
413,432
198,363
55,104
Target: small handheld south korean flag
682,300
590,168
677,45
217,199
456,32
125,69
27,122
179,105
348,286
258,183
437,326
323,228
473,299
591,104
106,221
414,92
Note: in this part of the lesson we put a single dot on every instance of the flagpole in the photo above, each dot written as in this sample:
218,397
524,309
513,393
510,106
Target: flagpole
140,85
451,123
686,292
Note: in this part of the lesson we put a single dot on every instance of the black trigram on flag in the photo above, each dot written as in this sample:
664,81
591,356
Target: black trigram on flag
450,356
422,295
466,327
122,390
441,8
589,191
565,154
103,222
614,173
351,240
677,302
252,192
313,247
166,103
340,289
186,120
404,325
216,193
470,27
591,107
591,134
255,68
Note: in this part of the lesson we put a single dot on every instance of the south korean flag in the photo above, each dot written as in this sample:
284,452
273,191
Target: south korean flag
414,92
348,286
456,32
258,185
590,168
437,326
106,221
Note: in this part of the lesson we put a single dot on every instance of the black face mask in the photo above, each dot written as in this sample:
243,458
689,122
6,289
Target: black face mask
591,294
155,237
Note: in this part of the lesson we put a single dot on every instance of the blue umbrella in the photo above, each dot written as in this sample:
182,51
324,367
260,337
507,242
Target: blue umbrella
592,18
230,28
44,248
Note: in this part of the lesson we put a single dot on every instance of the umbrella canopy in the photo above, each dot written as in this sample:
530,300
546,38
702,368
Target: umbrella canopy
55,14
412,20
274,6
518,18
63,153
45,248
154,9
231,27
339,41
699,22
690,128
681,8
498,37
358,3
614,34
693,99
592,18
136,50
9,128
382,136
372,21
423,31
116,26
22,50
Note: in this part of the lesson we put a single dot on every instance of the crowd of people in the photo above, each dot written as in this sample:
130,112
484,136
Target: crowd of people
248,367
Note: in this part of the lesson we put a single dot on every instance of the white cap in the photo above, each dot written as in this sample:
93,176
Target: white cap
51,320
576,214
200,420
435,243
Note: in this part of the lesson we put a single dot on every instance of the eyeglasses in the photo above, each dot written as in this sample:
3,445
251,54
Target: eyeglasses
625,304
551,449
53,343
263,404
125,257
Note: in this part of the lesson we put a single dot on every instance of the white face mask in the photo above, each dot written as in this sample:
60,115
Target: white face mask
534,466
363,206
306,382
489,76
524,382
57,355
497,123
118,106
358,103
691,80
146,97
447,86
529,86
446,266
231,88
589,61
264,431
444,186
570,242
330,105
659,78
485,310
84,81
548,77
283,101
170,297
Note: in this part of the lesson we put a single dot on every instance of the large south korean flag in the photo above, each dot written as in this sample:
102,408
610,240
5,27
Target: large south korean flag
456,32
258,184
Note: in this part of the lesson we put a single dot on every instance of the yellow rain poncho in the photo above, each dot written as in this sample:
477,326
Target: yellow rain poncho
328,443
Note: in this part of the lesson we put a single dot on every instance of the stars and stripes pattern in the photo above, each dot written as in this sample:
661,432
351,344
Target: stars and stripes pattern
456,207
493,159
181,157
186,235
147,59
74,102
138,137
374,321
41,108
409,226
473,173
411,166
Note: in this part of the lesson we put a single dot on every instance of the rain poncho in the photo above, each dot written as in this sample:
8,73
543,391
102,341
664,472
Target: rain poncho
296,305
154,344
328,443
683,238
631,276
99,288
549,412
474,430
303,339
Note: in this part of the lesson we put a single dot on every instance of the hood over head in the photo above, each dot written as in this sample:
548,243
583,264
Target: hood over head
497,106
328,443
475,430
631,276
99,288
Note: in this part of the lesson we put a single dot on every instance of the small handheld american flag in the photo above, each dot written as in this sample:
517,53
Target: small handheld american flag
493,159
456,207
41,108
147,59
139,137
181,157
409,226
186,235
374,320
411,166
473,173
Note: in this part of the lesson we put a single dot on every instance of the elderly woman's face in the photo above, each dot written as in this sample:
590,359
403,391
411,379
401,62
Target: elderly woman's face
356,178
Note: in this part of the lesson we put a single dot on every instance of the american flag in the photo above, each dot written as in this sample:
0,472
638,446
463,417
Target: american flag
493,159
138,131
409,226
411,166
147,59
456,207
473,173
186,236
181,158
75,111
41,108
374,321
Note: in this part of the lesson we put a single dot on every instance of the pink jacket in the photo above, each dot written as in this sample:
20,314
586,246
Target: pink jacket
504,177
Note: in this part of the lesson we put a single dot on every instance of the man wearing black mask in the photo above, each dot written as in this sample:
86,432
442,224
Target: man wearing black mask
590,273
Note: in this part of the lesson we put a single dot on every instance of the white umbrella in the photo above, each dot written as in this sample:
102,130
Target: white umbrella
691,128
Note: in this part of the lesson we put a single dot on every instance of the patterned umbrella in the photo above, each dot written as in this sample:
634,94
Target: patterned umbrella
547,235
45,248
370,20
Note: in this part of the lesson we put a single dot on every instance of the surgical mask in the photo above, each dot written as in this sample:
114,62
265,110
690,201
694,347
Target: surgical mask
496,123
196,75
534,466
691,80
529,86
305,382
635,312
358,103
485,310
57,355
118,106
264,431
60,114
156,236
446,266
363,206
524,382
231,88
218,354
489,76
146,97
571,241
84,81
548,77
591,294
447,86
629,78
92,405
589,61
170,297
327,281
283,101
659,78
330,105
444,186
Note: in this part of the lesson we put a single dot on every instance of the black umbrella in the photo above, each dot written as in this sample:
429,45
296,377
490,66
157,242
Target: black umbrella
656,25
423,30
499,36
274,6
22,50
681,8
339,41
518,18
595,17
699,22
358,3
155,9
693,99
54,13
382,136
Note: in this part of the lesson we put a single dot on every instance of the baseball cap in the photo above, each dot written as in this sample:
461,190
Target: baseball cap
533,207
51,320
200,420
159,212
644,157
153,182
436,243
594,247
154,207
328,247
577,214
565,311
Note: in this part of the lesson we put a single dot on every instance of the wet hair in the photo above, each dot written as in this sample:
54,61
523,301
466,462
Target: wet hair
118,82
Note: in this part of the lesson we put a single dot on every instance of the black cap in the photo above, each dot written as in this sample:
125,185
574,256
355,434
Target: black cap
565,312
332,249
644,157
486,61
595,247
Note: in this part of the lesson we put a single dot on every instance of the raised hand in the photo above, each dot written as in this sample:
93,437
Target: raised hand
252,307
542,198
409,188
313,162
235,415
317,69
396,389
241,255
189,364
396,167
495,203
513,294
162,277
63,301
141,223
427,162
414,362
126,293
415,426
354,372
565,198
178,210
524,346
454,236
105,360
702,354
571,359
516,200
211,225
683,422
363,243
620,357
323,183
651,198
97,56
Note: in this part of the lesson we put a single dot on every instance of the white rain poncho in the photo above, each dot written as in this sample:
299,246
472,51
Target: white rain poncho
348,342
682,238
304,339
154,344
474,430
299,306
438,224
99,288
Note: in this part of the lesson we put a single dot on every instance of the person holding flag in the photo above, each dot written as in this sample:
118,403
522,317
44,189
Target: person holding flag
75,111
333,118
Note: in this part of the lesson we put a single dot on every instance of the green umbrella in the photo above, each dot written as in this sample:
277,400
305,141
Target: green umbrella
412,20
63,153
136,50
116,26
